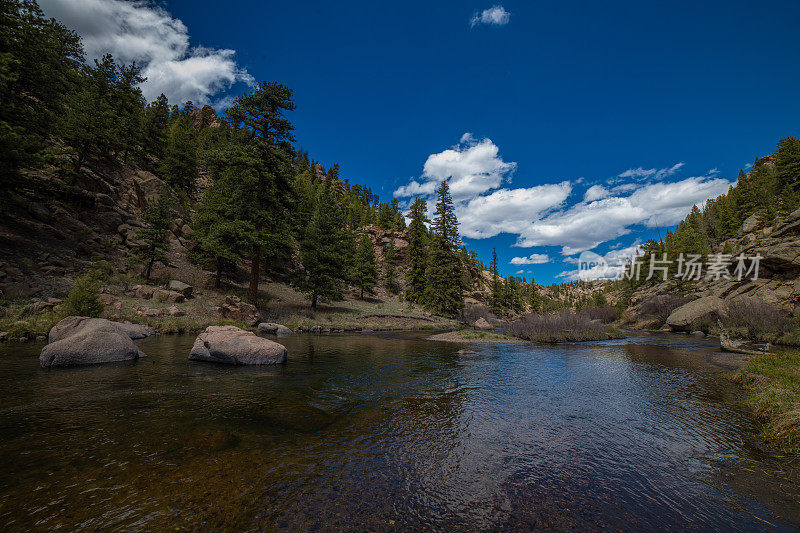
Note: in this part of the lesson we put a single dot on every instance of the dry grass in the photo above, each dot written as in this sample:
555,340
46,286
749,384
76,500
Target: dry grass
773,384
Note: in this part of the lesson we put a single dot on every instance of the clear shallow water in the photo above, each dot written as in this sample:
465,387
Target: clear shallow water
386,432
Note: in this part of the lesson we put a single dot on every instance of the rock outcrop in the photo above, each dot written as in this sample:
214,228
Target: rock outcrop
83,341
235,346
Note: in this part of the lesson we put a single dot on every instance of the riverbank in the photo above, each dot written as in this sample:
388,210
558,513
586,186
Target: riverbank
124,300
772,383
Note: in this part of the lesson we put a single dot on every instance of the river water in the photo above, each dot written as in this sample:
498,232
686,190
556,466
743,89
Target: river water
388,432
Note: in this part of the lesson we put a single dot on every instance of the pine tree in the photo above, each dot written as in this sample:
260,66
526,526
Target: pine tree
262,137
365,271
129,108
222,230
179,166
417,250
39,68
154,235
154,126
443,292
323,252
496,300
87,125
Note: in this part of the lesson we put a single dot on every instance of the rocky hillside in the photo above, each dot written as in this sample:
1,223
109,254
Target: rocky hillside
778,282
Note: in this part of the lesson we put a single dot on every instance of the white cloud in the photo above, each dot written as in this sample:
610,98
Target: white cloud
471,168
142,32
651,173
541,215
509,210
494,16
595,192
533,259
585,225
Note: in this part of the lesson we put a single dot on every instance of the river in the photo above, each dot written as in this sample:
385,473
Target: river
388,432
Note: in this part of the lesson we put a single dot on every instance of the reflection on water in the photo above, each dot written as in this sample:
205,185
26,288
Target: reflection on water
384,432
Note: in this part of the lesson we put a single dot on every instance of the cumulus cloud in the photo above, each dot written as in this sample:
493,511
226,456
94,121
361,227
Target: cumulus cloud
509,210
143,32
585,225
494,16
472,167
533,259
542,215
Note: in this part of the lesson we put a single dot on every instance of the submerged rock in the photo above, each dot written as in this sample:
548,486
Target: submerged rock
235,346
80,340
274,329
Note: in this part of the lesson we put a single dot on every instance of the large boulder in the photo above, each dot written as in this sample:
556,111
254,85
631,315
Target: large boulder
181,287
235,346
483,324
274,329
685,316
80,340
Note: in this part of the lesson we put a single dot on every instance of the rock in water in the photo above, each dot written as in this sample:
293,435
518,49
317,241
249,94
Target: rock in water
482,323
235,346
274,329
80,340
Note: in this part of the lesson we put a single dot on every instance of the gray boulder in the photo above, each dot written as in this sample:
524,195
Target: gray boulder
273,329
181,287
83,341
483,324
235,346
685,316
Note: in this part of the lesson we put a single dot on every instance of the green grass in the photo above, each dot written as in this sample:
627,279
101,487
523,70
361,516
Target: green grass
773,385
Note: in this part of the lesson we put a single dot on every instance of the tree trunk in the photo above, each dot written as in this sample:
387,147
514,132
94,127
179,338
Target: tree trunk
255,267
218,280
314,301
149,269
362,292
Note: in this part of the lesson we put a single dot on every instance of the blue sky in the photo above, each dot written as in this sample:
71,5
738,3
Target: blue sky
647,106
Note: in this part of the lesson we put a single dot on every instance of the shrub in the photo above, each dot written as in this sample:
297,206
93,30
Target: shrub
760,320
472,313
83,299
662,305
559,327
